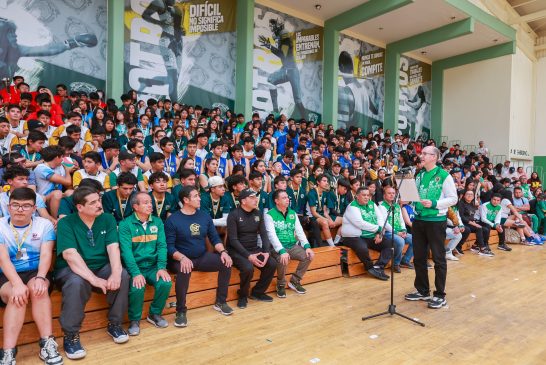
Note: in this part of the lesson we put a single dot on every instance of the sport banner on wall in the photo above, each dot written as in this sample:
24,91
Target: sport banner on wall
287,66
361,84
50,42
184,51
415,98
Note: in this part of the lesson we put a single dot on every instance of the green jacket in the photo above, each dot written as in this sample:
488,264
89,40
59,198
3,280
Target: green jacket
142,248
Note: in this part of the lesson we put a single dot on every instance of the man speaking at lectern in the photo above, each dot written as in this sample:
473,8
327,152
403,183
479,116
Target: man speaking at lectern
437,192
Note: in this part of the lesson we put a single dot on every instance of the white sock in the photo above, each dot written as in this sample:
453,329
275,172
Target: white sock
330,242
337,239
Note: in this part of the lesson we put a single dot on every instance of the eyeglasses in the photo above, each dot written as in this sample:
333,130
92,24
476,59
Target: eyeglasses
91,238
24,207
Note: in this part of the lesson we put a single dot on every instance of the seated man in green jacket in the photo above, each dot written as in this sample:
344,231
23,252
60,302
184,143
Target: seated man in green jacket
284,231
144,252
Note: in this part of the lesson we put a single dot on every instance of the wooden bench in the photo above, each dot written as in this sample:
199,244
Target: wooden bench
202,292
352,266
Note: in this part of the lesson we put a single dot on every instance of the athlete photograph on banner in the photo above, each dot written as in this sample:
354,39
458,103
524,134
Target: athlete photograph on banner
415,97
287,66
42,40
184,51
361,84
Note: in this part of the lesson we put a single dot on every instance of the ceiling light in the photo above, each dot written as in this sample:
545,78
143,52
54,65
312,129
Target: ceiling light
423,53
380,28
318,6
453,18
495,40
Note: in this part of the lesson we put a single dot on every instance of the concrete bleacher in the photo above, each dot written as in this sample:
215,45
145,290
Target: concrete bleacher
202,292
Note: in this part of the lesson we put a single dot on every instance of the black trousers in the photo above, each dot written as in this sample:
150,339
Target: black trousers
429,236
246,272
208,262
361,246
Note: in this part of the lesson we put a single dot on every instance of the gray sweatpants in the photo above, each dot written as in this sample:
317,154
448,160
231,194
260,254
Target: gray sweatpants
77,291
296,253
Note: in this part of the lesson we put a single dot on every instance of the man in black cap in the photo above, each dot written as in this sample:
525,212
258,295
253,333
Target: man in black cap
244,225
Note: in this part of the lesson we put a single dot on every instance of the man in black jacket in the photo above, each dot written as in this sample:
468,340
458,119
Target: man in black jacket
244,225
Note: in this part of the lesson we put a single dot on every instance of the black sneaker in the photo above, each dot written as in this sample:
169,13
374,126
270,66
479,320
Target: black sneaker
261,297
49,352
73,347
397,269
157,320
242,303
297,287
437,303
223,308
382,270
474,249
118,333
281,291
486,252
180,320
416,296
8,356
504,247
376,273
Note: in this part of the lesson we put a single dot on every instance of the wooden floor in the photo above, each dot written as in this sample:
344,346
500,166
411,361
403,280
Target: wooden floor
496,315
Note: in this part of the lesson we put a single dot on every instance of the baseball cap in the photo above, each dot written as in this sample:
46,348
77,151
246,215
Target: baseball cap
246,193
34,124
124,155
215,181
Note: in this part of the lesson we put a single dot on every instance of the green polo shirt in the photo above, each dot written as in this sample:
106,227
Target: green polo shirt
110,204
67,206
73,233
169,205
142,246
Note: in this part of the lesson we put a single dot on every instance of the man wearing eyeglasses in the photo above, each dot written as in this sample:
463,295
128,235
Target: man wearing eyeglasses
437,192
88,258
26,249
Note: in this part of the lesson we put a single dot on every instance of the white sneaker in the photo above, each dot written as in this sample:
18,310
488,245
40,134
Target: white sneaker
450,256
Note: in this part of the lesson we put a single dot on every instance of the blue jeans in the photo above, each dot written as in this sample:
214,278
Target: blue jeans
454,239
399,244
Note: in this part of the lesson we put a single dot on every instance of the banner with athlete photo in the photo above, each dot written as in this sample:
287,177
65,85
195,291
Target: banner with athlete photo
415,97
54,41
361,84
287,65
181,50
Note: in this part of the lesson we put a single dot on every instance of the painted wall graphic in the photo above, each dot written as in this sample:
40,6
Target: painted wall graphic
287,65
181,50
361,84
52,41
415,97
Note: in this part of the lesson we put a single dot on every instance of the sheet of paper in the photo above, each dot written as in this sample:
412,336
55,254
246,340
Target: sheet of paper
408,190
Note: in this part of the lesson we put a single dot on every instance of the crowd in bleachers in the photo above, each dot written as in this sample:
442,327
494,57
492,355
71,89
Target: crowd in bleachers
110,196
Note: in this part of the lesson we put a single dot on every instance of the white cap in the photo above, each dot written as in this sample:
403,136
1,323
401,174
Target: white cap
215,181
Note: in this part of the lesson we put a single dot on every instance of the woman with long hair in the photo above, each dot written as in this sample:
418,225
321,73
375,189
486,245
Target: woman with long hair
191,132
97,119
214,131
179,139
259,166
534,181
209,170
110,128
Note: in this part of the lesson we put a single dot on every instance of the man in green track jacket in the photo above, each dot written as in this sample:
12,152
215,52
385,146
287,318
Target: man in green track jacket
144,252
437,192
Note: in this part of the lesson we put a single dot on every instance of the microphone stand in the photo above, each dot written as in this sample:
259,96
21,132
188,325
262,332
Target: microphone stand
392,307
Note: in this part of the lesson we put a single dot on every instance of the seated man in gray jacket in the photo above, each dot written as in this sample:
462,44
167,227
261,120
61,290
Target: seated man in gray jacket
362,230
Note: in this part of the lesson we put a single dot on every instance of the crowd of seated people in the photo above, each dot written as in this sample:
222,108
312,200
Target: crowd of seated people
125,193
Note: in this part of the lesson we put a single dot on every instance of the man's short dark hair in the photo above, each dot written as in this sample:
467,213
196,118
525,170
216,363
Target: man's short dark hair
234,180
94,156
81,193
126,178
192,141
71,129
14,171
156,176
156,156
254,175
278,192
185,192
43,112
164,141
14,106
65,142
185,173
278,179
50,153
36,135
22,194
110,143
91,183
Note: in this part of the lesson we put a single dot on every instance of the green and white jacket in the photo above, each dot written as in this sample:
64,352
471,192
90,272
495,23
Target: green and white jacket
438,186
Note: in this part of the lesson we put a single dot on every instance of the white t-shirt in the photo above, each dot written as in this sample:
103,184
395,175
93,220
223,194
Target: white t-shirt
505,211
